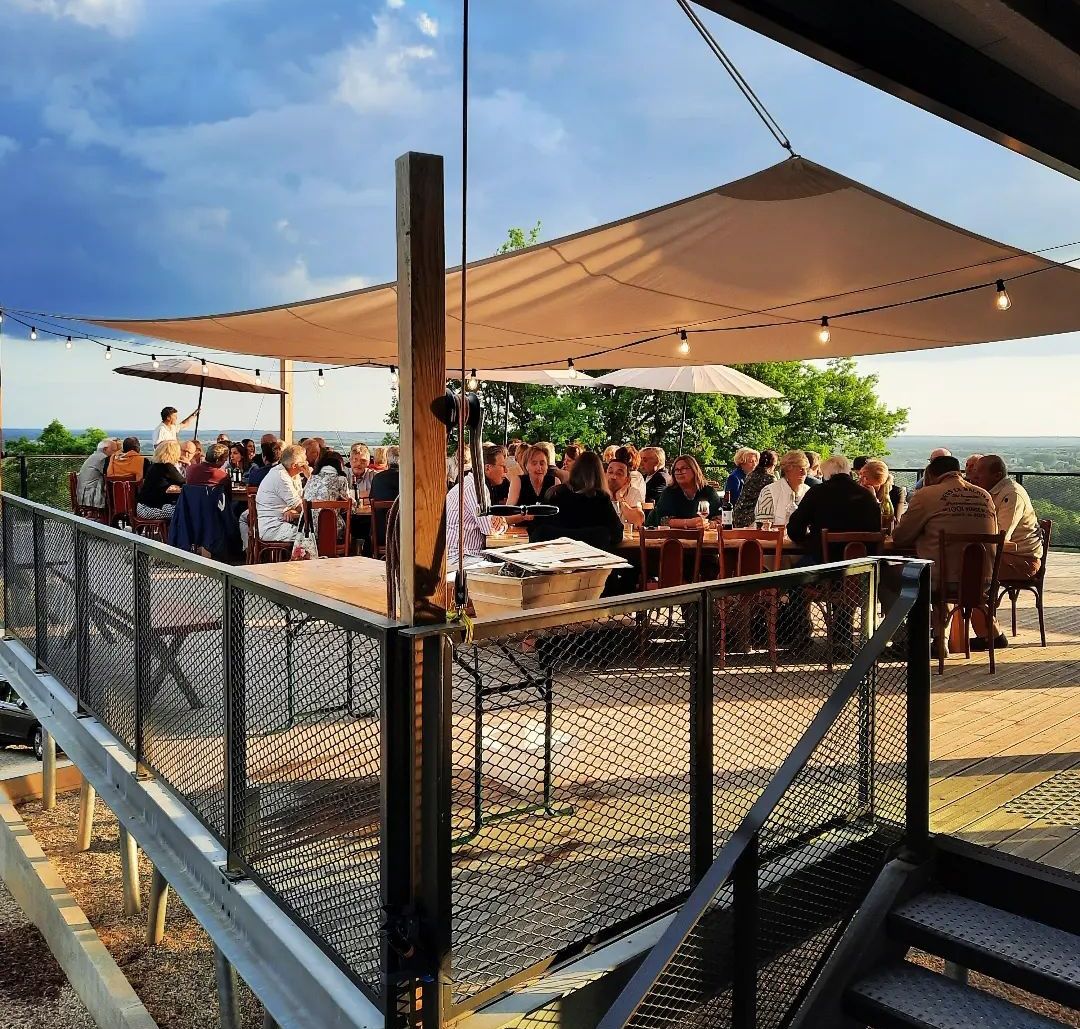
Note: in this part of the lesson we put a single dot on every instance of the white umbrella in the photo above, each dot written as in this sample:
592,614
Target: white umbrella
699,378
531,377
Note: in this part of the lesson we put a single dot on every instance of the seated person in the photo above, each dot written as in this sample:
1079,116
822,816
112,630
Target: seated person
779,499
211,470
679,505
239,462
90,481
585,509
763,475
875,476
328,482
386,485
188,455
838,504
627,498
936,453
162,483
313,450
360,473
279,502
745,460
477,529
813,473
379,459
269,456
654,473
1015,516
267,437
129,461
537,479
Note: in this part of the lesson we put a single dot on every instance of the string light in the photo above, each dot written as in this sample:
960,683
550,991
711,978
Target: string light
258,372
684,345
393,375
33,332
108,353
1003,300
67,345
202,370
154,362
571,371
321,380
824,333
473,383
1,317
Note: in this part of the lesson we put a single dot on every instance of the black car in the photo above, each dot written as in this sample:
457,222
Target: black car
17,721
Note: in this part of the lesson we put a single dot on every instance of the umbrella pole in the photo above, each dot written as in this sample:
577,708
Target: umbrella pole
682,426
198,410
506,416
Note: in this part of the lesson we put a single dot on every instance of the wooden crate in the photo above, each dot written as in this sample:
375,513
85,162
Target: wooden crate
502,594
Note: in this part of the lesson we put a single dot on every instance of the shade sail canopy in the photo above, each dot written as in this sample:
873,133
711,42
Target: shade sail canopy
779,250
189,371
707,378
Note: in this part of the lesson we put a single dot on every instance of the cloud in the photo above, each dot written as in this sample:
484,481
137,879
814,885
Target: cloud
7,146
286,231
376,75
297,283
395,4
117,17
427,25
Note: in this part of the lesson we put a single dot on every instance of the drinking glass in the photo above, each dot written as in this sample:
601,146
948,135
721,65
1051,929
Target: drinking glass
703,509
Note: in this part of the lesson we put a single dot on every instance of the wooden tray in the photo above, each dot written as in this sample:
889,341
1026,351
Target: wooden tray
501,594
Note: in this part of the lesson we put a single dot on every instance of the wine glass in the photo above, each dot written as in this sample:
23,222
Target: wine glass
703,509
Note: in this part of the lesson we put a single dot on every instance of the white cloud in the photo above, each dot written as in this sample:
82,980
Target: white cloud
427,25
118,17
375,76
297,283
286,231
7,146
395,4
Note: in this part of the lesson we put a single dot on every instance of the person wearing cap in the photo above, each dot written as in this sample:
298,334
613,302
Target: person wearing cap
90,487
170,427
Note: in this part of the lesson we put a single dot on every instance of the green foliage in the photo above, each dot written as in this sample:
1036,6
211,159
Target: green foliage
518,239
55,438
46,476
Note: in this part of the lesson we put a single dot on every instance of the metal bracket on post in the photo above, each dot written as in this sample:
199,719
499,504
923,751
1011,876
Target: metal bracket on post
701,742
917,799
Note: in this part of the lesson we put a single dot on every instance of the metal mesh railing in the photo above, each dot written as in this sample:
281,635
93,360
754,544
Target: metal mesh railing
42,478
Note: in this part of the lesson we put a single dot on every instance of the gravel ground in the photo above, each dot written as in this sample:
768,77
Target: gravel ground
176,980
16,760
34,992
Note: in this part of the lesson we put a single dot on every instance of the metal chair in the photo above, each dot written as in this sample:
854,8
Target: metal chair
97,514
970,592
1012,588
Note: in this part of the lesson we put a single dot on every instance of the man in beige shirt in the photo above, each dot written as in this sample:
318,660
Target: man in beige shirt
1016,518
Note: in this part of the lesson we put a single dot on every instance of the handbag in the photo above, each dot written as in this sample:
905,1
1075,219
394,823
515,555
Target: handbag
305,547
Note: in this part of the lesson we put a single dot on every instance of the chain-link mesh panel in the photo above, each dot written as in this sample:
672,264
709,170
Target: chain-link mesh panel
306,742
58,559
5,514
110,636
1057,497
183,717
46,478
21,585
571,785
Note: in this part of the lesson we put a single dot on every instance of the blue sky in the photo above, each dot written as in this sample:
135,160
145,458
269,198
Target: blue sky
183,156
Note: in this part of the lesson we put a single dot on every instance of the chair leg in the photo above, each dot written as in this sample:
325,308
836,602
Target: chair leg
939,633
1042,620
773,616
1013,594
990,637
967,635
828,631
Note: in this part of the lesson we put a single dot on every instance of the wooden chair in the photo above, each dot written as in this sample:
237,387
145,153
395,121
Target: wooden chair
115,509
152,528
378,527
970,593
97,514
672,560
326,525
258,548
750,546
1012,588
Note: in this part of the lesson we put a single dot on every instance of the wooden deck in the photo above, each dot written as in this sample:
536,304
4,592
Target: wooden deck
1005,748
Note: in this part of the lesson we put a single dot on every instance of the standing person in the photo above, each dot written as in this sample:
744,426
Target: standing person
170,427
90,482
629,501
129,461
477,529
162,483
763,474
655,474
745,461
779,499
680,504
535,481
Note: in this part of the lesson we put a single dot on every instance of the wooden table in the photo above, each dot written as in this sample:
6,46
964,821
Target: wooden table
360,581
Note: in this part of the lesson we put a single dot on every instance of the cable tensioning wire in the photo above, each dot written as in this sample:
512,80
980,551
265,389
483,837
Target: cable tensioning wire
460,601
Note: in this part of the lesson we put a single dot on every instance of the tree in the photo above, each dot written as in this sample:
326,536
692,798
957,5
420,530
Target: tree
46,478
56,438
518,239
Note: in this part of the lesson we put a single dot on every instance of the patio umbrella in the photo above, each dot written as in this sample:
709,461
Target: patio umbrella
700,378
531,377
190,371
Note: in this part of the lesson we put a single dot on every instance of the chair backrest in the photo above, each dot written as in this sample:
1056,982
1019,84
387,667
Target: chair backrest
324,520
114,495
1047,527
675,536
670,571
73,489
126,498
253,516
378,525
981,551
753,546
855,544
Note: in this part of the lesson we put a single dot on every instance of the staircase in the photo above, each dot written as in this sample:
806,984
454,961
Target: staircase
1011,920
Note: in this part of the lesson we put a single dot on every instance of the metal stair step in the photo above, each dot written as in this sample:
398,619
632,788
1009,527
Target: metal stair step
1004,946
905,996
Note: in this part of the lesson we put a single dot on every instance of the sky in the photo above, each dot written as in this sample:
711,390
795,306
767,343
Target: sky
174,157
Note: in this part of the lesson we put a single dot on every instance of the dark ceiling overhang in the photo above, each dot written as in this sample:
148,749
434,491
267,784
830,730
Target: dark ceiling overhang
1007,69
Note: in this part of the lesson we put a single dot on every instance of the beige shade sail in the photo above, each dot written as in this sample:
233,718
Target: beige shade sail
779,249
708,378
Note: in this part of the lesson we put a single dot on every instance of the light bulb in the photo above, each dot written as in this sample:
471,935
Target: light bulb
202,369
1,317
824,333
472,384
321,380
33,332
1003,300
684,343
571,371
108,353
393,375
67,345
258,373
155,363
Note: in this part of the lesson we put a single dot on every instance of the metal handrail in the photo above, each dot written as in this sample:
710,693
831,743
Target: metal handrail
661,955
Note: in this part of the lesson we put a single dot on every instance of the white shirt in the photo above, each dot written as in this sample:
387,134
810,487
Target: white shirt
477,529
637,480
777,500
277,493
163,432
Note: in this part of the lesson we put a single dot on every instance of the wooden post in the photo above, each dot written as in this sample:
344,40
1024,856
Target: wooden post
129,869
87,796
228,1001
285,375
48,771
421,292
155,911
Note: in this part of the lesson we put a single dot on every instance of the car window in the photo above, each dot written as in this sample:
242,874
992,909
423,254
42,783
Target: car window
6,693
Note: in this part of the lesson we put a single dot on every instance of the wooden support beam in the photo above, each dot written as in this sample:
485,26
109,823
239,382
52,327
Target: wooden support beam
155,909
285,377
421,293
87,797
129,869
48,770
228,1002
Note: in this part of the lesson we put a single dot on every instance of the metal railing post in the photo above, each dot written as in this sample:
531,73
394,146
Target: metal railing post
917,796
868,702
744,921
82,621
234,738
5,528
701,742
24,490
41,620
1019,477
140,572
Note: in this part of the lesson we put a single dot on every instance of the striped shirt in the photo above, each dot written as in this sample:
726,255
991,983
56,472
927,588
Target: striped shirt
477,529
